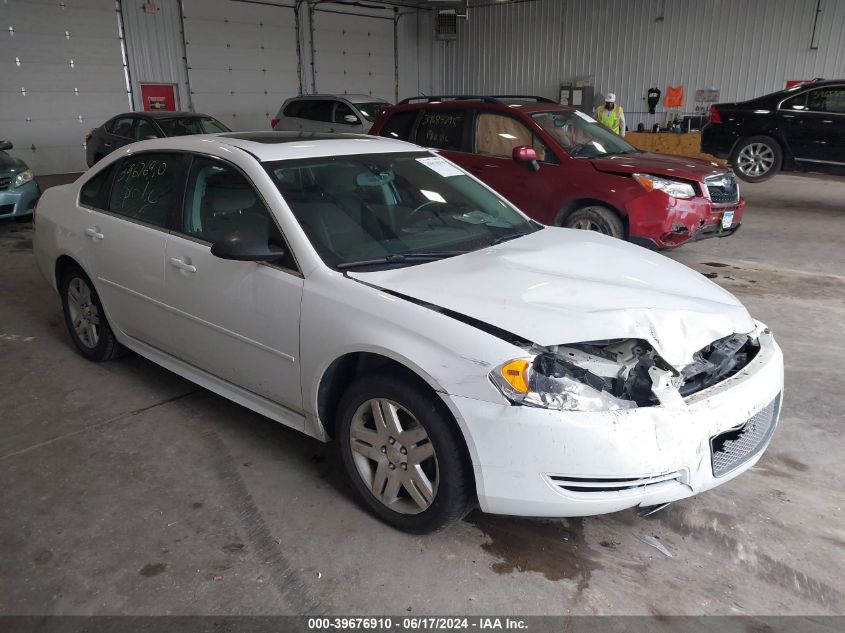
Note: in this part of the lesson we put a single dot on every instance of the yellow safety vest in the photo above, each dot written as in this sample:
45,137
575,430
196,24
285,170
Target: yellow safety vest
610,118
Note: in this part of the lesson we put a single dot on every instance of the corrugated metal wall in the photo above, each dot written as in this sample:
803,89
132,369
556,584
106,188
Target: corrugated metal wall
743,48
154,48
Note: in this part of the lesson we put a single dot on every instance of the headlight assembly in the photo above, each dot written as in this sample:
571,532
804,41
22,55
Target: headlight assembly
674,188
23,177
584,377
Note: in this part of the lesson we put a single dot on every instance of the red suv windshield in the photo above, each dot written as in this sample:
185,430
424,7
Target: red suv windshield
580,136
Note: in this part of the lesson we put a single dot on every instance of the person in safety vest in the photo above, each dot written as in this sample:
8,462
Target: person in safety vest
610,115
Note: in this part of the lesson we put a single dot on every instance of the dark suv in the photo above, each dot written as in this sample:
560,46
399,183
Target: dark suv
563,168
800,128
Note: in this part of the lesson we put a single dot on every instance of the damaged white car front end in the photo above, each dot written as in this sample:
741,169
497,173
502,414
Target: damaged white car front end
634,383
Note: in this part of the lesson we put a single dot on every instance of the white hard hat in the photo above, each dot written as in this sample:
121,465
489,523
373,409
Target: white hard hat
611,98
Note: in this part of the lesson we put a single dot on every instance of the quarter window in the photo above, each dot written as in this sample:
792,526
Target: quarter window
144,187
497,135
220,201
443,129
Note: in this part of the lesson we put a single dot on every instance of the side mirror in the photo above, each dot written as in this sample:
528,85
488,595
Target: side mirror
246,247
350,118
528,155
4,145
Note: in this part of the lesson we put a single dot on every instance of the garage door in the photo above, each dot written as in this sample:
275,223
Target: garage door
241,60
353,54
62,71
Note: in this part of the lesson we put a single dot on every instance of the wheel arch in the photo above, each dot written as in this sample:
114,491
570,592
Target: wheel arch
65,262
580,203
343,370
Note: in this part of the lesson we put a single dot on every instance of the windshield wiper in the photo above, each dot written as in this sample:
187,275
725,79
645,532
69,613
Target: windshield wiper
401,258
508,237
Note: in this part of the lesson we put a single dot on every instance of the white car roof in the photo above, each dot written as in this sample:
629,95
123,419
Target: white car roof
269,146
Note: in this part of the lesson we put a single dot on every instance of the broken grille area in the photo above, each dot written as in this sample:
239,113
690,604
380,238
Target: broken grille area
719,360
581,484
733,448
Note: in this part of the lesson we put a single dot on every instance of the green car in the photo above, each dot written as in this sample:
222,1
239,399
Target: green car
18,190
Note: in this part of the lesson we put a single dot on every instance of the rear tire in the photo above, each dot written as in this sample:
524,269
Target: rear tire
403,455
756,158
596,218
85,319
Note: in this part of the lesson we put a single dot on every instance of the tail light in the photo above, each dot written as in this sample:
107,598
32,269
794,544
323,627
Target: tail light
273,123
88,137
715,117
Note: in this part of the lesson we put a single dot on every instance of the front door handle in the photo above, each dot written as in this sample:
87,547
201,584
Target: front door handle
182,265
94,233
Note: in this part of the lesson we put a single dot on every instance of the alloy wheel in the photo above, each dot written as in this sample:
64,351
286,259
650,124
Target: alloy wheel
394,456
585,224
755,159
84,314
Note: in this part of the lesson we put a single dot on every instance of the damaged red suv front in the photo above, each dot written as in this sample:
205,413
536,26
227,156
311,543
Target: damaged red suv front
672,200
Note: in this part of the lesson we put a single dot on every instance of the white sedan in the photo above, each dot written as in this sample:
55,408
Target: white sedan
367,290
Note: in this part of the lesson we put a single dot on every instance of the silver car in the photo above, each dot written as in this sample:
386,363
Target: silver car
328,113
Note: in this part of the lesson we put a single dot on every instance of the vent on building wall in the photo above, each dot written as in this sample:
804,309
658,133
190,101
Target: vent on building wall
446,22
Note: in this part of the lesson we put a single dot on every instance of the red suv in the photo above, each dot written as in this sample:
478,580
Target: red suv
563,168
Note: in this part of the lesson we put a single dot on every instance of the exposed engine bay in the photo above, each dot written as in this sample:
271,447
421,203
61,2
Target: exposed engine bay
629,370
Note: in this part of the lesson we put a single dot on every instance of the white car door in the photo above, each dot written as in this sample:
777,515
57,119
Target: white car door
125,239
237,320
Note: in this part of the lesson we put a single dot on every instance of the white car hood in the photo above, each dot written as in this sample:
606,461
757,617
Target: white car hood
560,286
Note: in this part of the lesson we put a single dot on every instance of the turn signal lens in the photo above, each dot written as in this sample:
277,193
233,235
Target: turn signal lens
515,374
645,181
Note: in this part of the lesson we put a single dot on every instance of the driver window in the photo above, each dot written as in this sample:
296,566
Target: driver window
144,130
497,135
219,201
341,110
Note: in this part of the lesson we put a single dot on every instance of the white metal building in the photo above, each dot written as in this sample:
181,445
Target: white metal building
66,66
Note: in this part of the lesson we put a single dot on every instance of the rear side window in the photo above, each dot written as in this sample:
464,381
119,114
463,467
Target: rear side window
94,193
145,186
443,129
316,110
400,125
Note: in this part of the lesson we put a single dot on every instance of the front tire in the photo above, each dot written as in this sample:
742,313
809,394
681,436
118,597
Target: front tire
596,218
757,158
85,319
403,455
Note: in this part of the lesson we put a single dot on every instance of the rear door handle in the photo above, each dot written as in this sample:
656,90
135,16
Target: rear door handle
94,233
182,265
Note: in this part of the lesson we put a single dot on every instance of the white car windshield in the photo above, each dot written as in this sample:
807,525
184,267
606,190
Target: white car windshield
582,136
393,209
